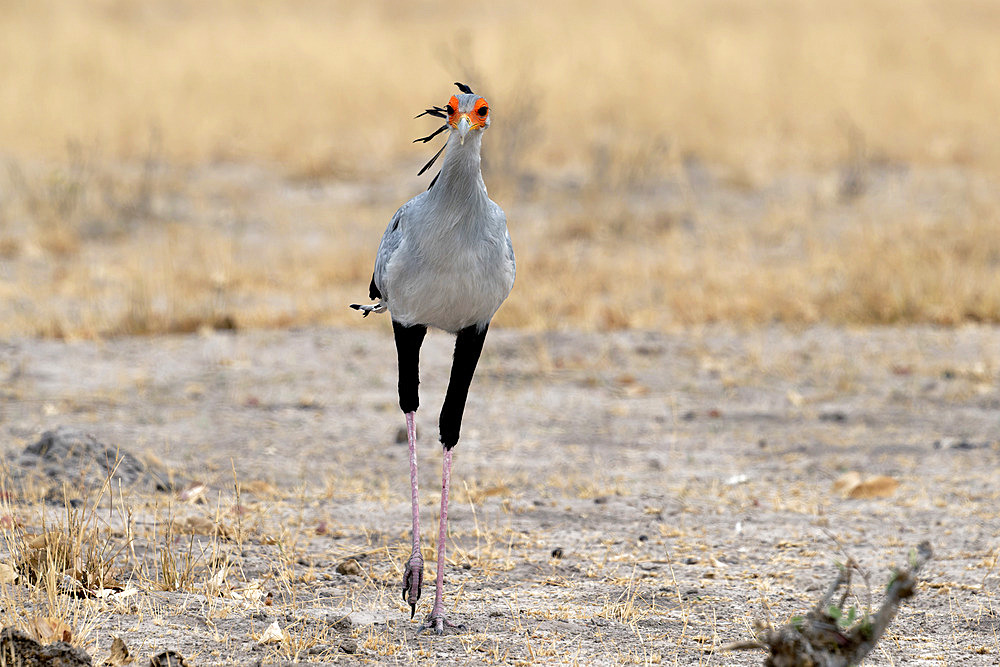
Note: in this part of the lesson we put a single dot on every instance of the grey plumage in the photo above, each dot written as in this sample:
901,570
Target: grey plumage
446,259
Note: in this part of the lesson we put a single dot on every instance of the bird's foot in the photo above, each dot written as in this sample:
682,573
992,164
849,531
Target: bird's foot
413,579
437,622
367,310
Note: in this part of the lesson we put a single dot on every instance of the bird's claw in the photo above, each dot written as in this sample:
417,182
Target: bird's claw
413,580
437,622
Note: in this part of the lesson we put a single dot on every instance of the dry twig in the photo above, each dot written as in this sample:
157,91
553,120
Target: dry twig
827,636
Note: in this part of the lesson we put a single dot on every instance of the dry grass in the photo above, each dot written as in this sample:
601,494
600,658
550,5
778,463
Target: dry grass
234,163
313,81
582,545
126,564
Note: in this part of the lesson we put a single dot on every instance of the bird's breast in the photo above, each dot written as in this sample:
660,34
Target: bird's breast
450,287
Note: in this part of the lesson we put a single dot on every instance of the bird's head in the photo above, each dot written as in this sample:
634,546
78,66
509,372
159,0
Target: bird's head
464,113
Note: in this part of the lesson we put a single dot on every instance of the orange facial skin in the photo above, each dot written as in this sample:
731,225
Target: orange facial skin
477,117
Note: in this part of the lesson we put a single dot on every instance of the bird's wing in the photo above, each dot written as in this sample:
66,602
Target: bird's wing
499,212
513,262
390,242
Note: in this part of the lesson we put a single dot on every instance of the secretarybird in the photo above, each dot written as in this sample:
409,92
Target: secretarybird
445,261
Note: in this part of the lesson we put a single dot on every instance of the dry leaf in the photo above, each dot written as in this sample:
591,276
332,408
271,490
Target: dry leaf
47,629
875,487
852,485
8,574
252,593
193,492
119,654
846,482
271,635
216,582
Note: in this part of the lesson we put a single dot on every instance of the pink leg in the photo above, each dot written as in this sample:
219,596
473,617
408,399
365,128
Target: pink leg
413,575
436,620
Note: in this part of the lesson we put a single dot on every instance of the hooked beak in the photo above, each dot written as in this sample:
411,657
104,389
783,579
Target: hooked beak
463,128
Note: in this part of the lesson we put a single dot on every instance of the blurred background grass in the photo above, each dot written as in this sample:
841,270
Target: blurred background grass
176,164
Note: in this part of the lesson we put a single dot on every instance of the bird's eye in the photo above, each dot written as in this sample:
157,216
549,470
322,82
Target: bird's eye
482,111
450,109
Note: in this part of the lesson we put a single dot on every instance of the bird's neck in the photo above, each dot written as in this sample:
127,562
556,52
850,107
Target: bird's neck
460,184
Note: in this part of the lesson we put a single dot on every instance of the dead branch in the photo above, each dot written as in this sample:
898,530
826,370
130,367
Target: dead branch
829,636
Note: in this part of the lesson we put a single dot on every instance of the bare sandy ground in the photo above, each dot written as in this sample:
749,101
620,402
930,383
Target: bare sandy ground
684,479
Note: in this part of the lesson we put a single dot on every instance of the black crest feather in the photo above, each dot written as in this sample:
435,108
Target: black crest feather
439,112
432,134
431,161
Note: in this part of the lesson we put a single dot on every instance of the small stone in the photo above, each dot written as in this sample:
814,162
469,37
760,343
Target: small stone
349,568
29,652
167,659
